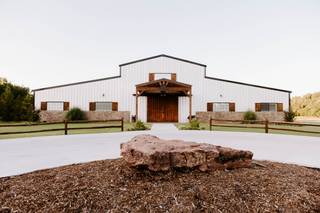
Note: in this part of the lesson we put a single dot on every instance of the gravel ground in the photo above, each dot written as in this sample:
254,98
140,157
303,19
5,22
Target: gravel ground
111,185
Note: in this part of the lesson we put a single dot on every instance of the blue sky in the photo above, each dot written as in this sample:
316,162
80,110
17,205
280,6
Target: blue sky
271,43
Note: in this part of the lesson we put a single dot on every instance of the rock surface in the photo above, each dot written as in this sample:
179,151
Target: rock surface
153,153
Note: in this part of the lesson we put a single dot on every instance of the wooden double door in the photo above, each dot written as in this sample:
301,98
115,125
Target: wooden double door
162,108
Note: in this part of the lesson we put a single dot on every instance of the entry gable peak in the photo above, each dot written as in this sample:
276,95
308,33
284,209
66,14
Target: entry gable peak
162,55
163,86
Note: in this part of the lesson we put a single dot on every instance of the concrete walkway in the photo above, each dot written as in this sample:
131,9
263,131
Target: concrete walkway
23,155
163,127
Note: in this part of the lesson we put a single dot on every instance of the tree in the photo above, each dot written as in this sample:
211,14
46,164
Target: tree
16,102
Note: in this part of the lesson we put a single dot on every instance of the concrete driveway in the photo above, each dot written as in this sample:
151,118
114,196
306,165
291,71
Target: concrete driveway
23,155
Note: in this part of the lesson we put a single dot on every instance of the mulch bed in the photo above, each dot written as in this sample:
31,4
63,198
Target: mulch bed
111,185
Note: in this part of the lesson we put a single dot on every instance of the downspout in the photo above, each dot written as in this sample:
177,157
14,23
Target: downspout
34,100
289,102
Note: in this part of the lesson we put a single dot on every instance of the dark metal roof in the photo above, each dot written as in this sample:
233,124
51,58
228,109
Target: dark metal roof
163,55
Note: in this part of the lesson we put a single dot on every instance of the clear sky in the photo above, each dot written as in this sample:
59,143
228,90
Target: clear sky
273,43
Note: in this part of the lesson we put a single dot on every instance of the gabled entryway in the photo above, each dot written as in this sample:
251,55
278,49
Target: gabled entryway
162,95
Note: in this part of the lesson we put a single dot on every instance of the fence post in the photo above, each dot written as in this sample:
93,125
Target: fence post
122,124
210,122
65,127
266,126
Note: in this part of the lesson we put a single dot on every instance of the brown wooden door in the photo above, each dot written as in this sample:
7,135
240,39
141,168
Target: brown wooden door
162,108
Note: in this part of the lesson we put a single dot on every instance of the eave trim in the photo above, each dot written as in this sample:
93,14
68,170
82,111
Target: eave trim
76,83
247,84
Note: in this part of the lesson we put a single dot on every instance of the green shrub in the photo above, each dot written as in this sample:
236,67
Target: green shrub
139,125
249,116
35,116
194,124
289,116
75,114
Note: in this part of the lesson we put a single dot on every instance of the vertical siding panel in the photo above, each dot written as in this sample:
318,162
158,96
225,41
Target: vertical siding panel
143,108
183,109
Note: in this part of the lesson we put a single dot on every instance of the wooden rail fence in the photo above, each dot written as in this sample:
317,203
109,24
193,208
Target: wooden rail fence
264,125
66,126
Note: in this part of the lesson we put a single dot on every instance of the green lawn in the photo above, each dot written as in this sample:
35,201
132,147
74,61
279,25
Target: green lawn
205,126
127,126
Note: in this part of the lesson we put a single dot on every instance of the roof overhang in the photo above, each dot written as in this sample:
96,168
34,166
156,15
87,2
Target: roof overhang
163,86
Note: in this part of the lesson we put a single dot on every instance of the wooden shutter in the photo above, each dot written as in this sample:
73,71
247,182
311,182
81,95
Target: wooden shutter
114,106
92,106
151,76
232,107
258,107
279,107
43,106
173,76
66,106
210,107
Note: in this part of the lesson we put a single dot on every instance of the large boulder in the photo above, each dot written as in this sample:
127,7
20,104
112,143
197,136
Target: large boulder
153,153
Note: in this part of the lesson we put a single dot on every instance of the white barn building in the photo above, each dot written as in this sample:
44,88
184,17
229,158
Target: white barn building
162,88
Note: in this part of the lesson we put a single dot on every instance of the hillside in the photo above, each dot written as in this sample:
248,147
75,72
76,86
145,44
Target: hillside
307,105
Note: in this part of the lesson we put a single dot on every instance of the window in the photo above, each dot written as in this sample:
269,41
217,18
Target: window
268,107
221,107
158,76
273,107
103,106
55,106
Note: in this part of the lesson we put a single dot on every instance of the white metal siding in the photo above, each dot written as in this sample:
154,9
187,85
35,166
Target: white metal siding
80,95
244,96
142,108
183,108
122,89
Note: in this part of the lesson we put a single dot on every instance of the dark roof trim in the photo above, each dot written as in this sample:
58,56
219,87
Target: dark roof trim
163,55
246,84
76,83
